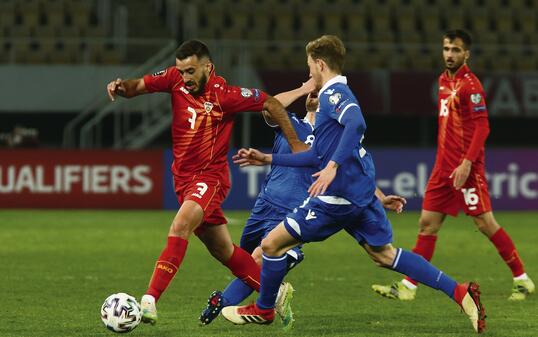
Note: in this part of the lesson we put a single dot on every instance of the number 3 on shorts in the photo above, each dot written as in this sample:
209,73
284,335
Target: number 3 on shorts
470,197
202,188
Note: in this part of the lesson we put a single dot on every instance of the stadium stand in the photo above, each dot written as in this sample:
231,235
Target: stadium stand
73,31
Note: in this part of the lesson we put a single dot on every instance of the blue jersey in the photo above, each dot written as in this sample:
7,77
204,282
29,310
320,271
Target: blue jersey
286,187
338,107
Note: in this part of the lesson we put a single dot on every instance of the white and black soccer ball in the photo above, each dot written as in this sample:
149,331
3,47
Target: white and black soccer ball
121,312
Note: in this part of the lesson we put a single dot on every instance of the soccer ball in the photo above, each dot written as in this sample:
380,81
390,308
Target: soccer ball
121,312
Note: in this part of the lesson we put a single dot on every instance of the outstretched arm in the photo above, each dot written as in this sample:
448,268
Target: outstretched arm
279,115
247,157
126,88
288,97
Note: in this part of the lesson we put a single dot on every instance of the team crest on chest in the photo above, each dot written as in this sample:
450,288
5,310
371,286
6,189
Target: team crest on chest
208,106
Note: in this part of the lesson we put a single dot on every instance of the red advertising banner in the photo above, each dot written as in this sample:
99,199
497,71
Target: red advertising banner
80,179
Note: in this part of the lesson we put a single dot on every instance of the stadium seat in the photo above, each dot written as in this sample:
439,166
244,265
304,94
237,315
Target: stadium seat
454,18
528,19
283,19
356,27
80,12
526,61
7,15
480,22
236,23
54,11
309,25
333,23
20,31
429,19
260,27
29,11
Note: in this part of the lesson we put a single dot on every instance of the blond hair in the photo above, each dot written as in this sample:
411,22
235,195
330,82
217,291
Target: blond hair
330,49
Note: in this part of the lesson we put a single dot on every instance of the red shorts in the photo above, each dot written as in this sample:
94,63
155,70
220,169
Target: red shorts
441,196
207,191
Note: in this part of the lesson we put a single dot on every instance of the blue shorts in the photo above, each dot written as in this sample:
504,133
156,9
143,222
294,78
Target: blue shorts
263,218
317,220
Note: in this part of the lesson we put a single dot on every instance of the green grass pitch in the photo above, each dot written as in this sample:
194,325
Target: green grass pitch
57,267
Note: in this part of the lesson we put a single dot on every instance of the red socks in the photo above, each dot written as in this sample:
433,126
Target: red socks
167,265
459,292
424,247
243,266
507,251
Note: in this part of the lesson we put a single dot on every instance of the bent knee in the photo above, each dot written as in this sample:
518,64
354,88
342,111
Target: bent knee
269,248
428,227
181,228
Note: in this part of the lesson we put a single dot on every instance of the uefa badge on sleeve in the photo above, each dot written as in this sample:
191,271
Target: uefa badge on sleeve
335,98
246,92
476,98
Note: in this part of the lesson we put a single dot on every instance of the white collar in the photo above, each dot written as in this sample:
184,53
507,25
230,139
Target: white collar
334,80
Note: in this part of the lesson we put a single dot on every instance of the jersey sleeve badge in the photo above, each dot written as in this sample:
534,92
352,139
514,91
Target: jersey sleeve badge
246,92
477,102
476,98
335,98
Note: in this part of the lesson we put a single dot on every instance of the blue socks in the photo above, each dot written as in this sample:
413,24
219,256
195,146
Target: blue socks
417,268
274,269
235,292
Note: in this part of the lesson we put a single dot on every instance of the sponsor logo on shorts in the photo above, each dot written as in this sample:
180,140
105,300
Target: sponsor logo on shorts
310,215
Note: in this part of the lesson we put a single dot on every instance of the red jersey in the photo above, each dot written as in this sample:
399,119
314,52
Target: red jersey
202,125
461,102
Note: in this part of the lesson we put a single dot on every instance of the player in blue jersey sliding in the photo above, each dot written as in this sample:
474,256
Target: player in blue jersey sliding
283,189
341,197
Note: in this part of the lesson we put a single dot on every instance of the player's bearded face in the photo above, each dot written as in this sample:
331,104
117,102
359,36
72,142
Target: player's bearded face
194,72
454,54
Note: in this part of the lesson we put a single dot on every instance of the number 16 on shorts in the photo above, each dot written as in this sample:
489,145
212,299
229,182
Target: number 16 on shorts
470,197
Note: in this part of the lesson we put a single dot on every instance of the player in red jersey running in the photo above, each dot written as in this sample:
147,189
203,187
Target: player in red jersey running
458,179
203,107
